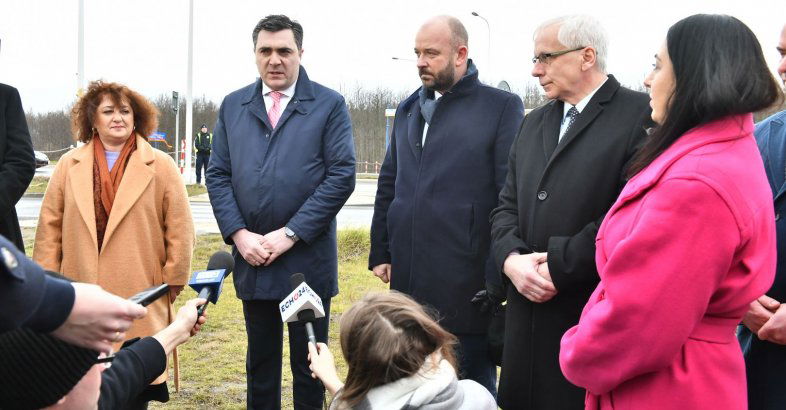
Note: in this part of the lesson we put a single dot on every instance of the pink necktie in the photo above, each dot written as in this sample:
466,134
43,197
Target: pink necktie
275,111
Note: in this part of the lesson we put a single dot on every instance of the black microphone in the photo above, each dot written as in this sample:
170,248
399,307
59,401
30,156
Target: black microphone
305,315
210,282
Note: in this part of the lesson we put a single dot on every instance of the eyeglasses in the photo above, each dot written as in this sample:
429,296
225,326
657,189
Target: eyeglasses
544,58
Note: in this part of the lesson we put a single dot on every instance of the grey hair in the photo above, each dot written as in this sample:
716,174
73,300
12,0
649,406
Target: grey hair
581,30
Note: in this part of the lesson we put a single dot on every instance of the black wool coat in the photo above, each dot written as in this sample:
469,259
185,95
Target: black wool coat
17,162
554,200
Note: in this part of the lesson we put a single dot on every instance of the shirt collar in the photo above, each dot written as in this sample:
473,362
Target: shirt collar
289,92
584,101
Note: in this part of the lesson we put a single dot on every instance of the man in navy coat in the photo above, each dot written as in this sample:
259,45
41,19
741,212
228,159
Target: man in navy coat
282,166
763,338
445,165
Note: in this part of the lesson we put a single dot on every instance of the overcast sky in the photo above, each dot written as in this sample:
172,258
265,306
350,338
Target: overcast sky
142,43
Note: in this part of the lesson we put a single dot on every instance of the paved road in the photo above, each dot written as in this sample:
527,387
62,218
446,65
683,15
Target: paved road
357,212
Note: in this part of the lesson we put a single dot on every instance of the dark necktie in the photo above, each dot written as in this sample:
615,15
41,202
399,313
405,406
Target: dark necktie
571,116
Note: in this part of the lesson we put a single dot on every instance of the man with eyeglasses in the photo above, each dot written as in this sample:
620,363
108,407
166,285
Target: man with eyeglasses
763,337
566,168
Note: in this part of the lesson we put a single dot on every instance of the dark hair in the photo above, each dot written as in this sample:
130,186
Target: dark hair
277,22
719,70
84,112
386,337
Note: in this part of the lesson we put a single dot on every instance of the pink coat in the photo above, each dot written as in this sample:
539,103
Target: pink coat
688,245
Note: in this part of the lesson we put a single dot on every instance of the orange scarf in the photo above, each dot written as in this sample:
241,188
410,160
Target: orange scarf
106,183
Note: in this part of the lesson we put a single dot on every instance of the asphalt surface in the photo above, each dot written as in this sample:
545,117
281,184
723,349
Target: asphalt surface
357,212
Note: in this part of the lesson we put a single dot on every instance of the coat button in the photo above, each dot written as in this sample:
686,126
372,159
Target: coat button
777,217
267,135
542,195
417,145
409,114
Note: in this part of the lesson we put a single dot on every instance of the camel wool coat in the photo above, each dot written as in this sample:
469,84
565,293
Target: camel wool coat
149,237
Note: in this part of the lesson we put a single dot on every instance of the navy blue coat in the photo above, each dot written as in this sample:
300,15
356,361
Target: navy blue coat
298,175
431,214
765,361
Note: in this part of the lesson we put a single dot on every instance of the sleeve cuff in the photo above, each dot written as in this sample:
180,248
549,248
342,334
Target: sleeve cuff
56,305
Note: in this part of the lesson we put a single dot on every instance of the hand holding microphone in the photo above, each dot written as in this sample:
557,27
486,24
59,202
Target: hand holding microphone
208,283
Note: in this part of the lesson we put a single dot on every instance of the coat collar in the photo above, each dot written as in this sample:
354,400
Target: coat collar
137,176
304,91
553,118
725,129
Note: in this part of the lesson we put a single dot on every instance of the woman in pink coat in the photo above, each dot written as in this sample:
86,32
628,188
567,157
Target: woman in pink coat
690,242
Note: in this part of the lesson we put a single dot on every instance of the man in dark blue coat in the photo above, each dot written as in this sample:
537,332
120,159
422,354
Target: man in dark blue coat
445,165
763,338
282,166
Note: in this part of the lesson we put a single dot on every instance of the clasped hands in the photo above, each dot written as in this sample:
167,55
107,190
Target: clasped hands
259,249
766,317
530,275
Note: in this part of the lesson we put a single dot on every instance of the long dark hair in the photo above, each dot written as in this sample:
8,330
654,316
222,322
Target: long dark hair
386,337
719,70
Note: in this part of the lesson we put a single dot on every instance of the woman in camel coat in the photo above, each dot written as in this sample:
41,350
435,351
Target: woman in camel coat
117,214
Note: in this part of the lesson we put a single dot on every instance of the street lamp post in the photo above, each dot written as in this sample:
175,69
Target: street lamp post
488,49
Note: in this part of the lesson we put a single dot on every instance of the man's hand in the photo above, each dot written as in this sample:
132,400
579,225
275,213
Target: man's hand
759,312
323,366
98,318
249,244
543,271
277,243
523,273
382,271
774,330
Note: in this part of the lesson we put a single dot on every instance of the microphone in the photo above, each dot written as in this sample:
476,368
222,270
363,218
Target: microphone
208,283
302,305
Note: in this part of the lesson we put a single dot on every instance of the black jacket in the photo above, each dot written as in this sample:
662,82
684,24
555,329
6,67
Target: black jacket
431,213
202,142
133,369
17,162
554,200
29,297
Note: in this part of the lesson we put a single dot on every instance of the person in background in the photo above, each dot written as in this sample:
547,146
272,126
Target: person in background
115,212
690,242
763,337
398,357
202,142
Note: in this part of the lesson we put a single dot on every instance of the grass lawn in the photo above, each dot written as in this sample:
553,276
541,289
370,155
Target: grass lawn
212,364
194,189
37,185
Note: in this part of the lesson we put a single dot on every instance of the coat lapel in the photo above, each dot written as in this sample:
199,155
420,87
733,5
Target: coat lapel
80,177
777,159
551,127
136,178
588,114
414,129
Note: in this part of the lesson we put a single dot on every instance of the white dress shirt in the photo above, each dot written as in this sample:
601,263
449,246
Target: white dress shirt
579,107
285,97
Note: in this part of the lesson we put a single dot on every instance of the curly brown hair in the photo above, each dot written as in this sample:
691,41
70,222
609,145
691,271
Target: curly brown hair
84,112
